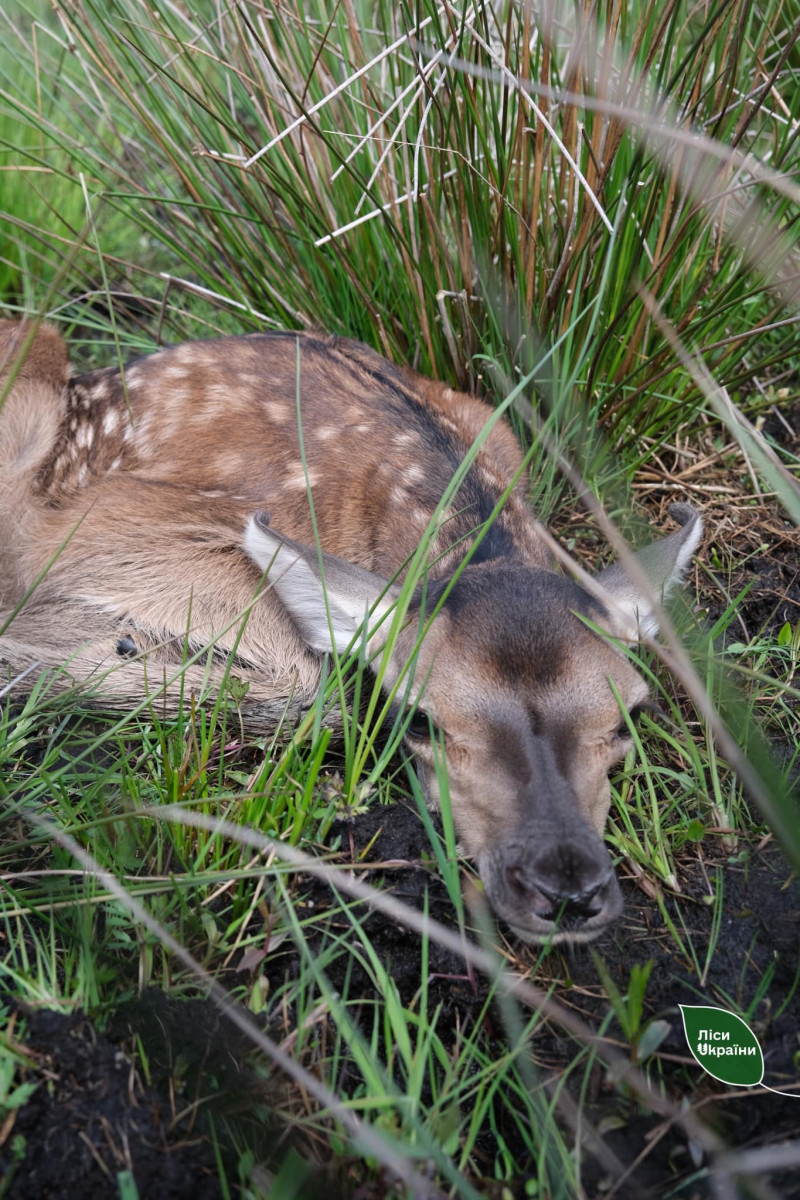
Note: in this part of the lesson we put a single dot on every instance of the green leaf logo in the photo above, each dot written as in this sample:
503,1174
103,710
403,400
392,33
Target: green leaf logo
723,1045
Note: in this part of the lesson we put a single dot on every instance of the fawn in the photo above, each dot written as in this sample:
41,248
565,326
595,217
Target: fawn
138,499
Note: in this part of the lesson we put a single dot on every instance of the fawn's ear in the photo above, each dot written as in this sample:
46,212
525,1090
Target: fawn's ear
328,607
664,563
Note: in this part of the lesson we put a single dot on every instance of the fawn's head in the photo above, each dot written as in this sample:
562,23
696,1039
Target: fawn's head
515,696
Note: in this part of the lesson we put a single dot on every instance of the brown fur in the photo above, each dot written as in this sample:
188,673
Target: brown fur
131,497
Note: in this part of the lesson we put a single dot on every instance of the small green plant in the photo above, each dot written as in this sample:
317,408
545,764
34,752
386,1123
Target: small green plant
13,1094
644,1037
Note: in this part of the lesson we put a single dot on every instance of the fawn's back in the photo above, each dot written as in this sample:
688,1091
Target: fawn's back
225,418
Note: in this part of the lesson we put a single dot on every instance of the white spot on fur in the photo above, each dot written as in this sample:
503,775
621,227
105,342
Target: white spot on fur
491,478
276,412
326,432
220,398
83,475
214,411
110,421
298,479
140,432
100,391
177,395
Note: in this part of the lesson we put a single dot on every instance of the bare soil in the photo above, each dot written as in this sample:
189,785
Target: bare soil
91,1119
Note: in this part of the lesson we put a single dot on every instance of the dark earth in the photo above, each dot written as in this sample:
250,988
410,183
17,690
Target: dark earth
94,1116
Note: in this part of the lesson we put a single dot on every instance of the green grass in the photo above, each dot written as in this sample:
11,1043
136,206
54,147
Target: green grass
598,263
46,115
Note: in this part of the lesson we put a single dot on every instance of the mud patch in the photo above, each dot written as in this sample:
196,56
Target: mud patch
91,1123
